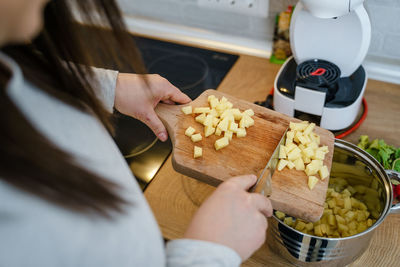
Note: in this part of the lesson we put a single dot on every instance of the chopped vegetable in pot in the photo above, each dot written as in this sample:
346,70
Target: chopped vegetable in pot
388,156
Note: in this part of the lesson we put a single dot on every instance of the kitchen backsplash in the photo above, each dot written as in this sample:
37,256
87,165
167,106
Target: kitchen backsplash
384,15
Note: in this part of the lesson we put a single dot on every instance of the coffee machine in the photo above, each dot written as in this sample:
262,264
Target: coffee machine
324,78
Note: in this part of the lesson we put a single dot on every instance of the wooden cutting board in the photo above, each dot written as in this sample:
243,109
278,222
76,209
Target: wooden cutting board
248,155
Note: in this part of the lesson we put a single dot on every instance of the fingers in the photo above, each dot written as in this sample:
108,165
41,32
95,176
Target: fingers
151,119
244,182
262,204
177,96
169,102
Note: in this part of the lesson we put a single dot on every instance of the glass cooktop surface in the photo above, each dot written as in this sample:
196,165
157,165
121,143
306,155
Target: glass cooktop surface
192,70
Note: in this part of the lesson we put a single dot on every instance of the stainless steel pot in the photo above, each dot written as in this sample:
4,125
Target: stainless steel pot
358,168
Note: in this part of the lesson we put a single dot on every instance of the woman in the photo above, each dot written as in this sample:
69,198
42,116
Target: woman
67,197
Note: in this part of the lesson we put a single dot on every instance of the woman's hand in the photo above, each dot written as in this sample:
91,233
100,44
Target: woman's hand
233,217
136,98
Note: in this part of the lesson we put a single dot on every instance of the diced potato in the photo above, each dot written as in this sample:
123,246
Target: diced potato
309,128
218,131
312,181
221,143
224,99
208,120
229,135
196,137
201,118
210,97
215,122
187,110
319,155
198,152
281,164
233,126
308,151
306,160
241,132
280,215
290,165
289,137
311,169
323,172
208,130
347,203
294,154
282,152
214,113
299,164
229,104
214,103
223,125
290,147
300,225
189,131
249,112
297,126
236,113
202,110
288,221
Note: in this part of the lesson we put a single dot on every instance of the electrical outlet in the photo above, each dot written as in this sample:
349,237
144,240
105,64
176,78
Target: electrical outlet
249,7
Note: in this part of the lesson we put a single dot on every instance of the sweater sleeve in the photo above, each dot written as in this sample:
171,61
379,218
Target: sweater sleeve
189,252
106,80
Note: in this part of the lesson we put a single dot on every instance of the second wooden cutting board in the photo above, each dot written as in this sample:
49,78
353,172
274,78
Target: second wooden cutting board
248,155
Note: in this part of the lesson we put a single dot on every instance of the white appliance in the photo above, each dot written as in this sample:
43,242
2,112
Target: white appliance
324,78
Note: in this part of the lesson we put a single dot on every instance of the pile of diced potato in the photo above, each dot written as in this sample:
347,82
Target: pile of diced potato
303,152
346,213
220,118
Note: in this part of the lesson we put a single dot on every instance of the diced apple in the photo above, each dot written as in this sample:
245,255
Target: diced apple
196,137
241,132
323,172
187,110
221,143
201,118
306,160
312,181
229,135
214,113
282,152
189,131
228,104
282,164
202,110
289,137
208,130
224,99
297,126
304,139
198,152
249,112
324,149
299,164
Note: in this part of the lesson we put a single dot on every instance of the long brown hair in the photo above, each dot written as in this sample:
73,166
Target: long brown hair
27,159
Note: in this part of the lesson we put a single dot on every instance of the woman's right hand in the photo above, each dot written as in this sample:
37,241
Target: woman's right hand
233,217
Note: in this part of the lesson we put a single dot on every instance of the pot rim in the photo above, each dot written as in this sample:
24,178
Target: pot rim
381,173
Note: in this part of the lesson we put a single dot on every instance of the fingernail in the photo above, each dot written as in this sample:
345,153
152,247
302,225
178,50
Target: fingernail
163,137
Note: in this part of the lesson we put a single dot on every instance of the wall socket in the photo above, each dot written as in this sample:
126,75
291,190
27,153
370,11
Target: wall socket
257,8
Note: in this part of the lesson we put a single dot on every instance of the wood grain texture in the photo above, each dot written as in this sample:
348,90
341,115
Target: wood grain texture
248,155
174,198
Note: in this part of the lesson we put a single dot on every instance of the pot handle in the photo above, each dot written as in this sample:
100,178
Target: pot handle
393,175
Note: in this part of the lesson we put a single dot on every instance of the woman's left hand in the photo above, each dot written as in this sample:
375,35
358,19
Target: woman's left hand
134,97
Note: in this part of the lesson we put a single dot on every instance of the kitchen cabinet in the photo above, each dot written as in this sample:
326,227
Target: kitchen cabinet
174,198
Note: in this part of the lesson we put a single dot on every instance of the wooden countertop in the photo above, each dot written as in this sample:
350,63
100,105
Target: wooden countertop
174,198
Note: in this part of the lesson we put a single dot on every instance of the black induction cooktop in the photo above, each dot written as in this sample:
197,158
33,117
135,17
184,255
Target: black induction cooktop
192,70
